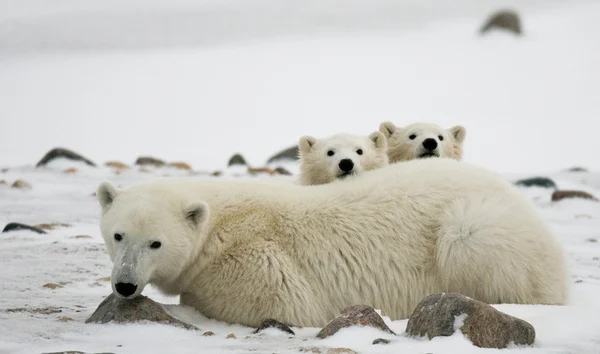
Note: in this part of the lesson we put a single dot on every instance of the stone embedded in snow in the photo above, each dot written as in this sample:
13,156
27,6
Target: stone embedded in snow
271,323
21,184
359,315
237,159
543,182
149,161
15,226
140,308
57,153
117,165
290,154
180,166
381,341
444,313
569,194
506,20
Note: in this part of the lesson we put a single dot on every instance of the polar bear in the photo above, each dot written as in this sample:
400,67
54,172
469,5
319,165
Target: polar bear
242,251
421,140
338,156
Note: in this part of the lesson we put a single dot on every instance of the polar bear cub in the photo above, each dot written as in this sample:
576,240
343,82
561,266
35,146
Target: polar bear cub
338,156
421,140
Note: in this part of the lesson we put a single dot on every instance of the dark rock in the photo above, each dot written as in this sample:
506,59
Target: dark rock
381,341
359,315
282,171
15,226
21,184
271,323
76,352
486,327
140,308
568,194
506,20
63,153
289,154
577,169
237,159
149,161
543,182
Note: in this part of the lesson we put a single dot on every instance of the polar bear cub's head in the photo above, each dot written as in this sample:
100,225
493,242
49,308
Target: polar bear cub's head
421,140
325,160
150,233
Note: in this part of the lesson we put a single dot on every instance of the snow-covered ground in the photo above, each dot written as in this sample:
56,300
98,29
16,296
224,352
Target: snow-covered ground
197,81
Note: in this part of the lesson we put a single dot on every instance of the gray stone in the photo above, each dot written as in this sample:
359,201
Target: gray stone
507,20
289,154
359,315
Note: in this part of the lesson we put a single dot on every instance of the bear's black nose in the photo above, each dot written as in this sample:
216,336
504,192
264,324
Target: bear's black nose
346,165
429,144
125,289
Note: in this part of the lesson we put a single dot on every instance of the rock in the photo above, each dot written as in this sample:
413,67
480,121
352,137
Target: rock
81,236
231,336
340,351
52,226
20,184
442,314
70,171
208,334
15,226
4,170
283,171
568,194
312,350
271,323
237,159
140,308
103,279
381,341
117,164
149,161
65,319
359,315
507,20
258,170
144,170
543,182
591,240
577,169
63,153
3,182
216,173
289,154
39,311
52,286
180,166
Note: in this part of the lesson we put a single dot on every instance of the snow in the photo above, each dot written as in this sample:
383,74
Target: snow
198,81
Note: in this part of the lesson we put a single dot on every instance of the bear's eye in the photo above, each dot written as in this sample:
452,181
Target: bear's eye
359,151
118,237
330,153
440,137
412,137
155,244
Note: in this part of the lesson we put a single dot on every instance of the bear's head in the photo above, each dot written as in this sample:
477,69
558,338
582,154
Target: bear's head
421,140
325,160
150,237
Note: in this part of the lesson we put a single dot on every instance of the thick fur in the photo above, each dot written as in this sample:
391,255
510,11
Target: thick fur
244,251
402,148
317,167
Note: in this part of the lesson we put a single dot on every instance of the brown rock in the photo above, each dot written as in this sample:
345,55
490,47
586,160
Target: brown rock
208,334
568,194
103,279
140,308
231,336
117,165
63,153
340,351
144,170
283,171
20,184
149,161
237,159
359,315
65,319
180,166
271,323
258,170
70,171
3,182
52,226
506,20
216,173
52,286
40,310
312,350
289,154
437,314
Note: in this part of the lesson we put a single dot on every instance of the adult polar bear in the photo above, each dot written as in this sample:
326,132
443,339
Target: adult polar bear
244,251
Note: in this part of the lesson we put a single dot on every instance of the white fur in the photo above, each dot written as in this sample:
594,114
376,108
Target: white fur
317,167
402,148
253,250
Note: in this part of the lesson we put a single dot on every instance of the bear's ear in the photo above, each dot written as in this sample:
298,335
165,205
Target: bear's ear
458,132
197,213
306,143
387,128
379,139
106,194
